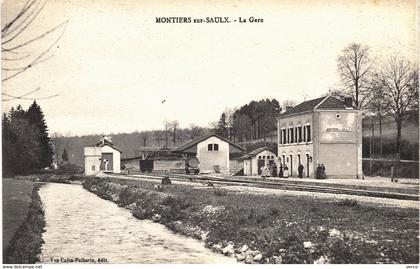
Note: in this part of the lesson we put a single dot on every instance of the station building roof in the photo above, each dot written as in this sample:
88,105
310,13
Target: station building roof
255,152
192,143
105,142
321,103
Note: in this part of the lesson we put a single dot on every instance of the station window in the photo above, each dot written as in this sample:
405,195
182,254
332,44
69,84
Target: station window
291,135
213,147
308,133
299,134
284,136
93,168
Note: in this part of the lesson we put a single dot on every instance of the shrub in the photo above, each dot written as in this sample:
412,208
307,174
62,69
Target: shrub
219,192
347,202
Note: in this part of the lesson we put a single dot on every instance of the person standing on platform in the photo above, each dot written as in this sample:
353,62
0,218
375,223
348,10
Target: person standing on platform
300,170
274,170
318,172
265,171
281,170
323,175
286,171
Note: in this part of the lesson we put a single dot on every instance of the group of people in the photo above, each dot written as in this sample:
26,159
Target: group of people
283,171
271,170
320,172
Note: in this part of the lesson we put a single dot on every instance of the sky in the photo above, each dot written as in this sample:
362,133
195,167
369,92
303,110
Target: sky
114,64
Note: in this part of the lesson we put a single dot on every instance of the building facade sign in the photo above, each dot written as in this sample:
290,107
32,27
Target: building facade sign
338,130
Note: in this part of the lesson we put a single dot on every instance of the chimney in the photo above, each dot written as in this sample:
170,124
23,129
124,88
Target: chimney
108,138
348,102
105,138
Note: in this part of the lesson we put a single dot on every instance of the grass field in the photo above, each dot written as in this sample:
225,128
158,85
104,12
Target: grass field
282,228
16,201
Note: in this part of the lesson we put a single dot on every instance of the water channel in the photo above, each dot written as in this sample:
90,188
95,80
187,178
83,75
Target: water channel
81,227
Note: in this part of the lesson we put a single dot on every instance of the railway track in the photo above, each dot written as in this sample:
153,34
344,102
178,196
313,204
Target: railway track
277,185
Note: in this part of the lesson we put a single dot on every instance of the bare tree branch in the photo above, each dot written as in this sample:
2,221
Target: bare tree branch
33,63
18,97
32,16
355,66
37,38
34,99
15,59
16,62
22,12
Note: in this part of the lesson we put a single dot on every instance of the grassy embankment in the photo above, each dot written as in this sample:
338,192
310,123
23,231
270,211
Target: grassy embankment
23,221
272,228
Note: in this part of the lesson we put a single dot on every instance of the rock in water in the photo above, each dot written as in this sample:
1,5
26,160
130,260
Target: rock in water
229,250
166,180
249,258
322,260
258,257
131,206
307,244
244,248
156,217
217,247
278,259
240,257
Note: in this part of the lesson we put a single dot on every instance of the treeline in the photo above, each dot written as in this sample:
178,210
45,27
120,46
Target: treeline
388,87
26,145
254,120
382,89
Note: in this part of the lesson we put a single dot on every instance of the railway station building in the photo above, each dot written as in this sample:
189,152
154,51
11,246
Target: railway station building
325,131
104,156
256,159
212,151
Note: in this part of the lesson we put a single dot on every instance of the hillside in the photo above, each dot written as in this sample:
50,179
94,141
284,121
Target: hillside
128,143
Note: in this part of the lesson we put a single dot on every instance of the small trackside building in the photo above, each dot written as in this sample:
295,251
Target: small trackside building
212,151
256,159
102,157
325,131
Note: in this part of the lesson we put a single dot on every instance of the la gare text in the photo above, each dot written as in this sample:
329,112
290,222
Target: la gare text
209,20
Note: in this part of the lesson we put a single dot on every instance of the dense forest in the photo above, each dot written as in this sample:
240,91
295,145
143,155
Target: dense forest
251,121
26,144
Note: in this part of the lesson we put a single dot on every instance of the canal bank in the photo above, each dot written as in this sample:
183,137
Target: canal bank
23,221
272,228
82,228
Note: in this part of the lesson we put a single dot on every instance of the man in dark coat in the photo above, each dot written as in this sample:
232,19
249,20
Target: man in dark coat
300,170
318,172
281,170
274,170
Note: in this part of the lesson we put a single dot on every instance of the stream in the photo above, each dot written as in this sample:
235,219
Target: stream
81,227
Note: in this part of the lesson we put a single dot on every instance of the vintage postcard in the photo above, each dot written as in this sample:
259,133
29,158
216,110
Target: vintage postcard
210,132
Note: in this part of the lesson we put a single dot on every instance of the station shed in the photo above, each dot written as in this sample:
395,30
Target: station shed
212,151
104,156
256,159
